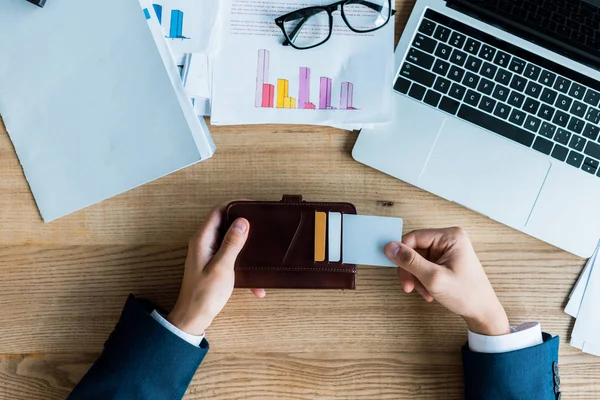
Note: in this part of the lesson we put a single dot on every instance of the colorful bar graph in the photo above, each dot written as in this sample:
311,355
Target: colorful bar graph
158,10
270,96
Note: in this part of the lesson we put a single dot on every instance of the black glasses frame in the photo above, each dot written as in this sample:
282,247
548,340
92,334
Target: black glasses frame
308,12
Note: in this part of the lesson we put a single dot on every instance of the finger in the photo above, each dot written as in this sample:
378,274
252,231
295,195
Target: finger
407,279
408,259
260,293
423,292
233,243
206,240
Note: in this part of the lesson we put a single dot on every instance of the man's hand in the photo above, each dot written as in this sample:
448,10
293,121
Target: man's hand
208,278
447,270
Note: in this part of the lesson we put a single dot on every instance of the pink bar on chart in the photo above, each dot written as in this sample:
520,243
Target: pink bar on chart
268,95
346,96
262,75
304,92
309,106
325,94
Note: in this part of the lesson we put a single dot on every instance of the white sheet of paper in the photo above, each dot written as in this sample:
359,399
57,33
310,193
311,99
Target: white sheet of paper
364,238
92,101
334,234
251,55
586,332
576,296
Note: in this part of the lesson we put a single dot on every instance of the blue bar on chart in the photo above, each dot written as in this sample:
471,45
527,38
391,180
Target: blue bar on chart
176,24
158,10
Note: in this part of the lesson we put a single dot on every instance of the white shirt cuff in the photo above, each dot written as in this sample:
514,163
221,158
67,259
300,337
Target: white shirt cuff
525,335
191,339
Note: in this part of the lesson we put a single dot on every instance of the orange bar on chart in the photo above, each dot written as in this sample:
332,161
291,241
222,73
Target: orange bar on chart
320,230
282,92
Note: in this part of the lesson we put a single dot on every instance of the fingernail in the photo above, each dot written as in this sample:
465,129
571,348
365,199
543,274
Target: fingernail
392,249
240,225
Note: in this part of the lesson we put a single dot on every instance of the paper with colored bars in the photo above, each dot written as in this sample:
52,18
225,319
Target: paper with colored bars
256,79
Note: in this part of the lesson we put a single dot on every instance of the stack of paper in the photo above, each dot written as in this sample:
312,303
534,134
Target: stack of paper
583,305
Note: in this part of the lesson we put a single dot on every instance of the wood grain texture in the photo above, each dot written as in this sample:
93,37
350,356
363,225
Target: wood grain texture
62,285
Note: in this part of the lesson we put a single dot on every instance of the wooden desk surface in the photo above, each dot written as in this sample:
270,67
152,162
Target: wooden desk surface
62,285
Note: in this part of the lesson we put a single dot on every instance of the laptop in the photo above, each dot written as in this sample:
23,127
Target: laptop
497,108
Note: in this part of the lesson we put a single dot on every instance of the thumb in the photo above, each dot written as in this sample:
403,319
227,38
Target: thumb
409,260
232,244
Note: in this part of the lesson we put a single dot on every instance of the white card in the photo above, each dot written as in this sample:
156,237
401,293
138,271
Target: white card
587,326
576,296
365,237
334,234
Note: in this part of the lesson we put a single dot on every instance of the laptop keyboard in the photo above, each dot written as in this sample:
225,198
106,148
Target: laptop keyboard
505,89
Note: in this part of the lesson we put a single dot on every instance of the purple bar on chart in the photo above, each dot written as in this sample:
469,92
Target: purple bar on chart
262,76
304,93
346,96
325,94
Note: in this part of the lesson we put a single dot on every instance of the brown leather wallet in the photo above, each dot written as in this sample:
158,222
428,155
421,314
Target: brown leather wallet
279,252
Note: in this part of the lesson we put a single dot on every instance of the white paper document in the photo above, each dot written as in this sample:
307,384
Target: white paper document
364,238
93,101
256,79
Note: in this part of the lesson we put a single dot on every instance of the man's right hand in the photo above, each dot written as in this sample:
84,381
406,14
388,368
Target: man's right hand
447,270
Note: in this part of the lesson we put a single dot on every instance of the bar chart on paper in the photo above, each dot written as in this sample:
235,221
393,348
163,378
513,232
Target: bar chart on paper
278,95
173,20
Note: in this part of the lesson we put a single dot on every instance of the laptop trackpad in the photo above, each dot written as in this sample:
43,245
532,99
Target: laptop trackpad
485,172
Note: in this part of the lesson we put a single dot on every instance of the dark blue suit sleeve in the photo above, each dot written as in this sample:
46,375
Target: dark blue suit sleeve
141,360
530,373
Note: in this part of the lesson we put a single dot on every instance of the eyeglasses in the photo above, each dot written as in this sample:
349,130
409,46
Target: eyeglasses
312,26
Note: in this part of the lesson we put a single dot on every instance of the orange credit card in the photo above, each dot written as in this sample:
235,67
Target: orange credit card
320,235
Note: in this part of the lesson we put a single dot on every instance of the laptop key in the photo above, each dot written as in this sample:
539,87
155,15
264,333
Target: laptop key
487,52
592,97
487,104
443,51
442,85
563,102
449,105
591,131
417,74
543,145
417,91
441,33
485,86
547,130
532,72
560,152
500,92
545,112
575,159
518,83
517,117
458,57
562,84
502,111
575,125
591,162
516,99
578,108
471,80
533,89
473,64
402,85
488,70
531,105
560,118
496,125
548,96
577,143
457,39
441,67
457,91
427,27
592,149
503,76
589,169
547,78
456,73
432,98
472,46
562,136
424,43
532,123
420,58
517,65
502,59
593,115
472,98
577,91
